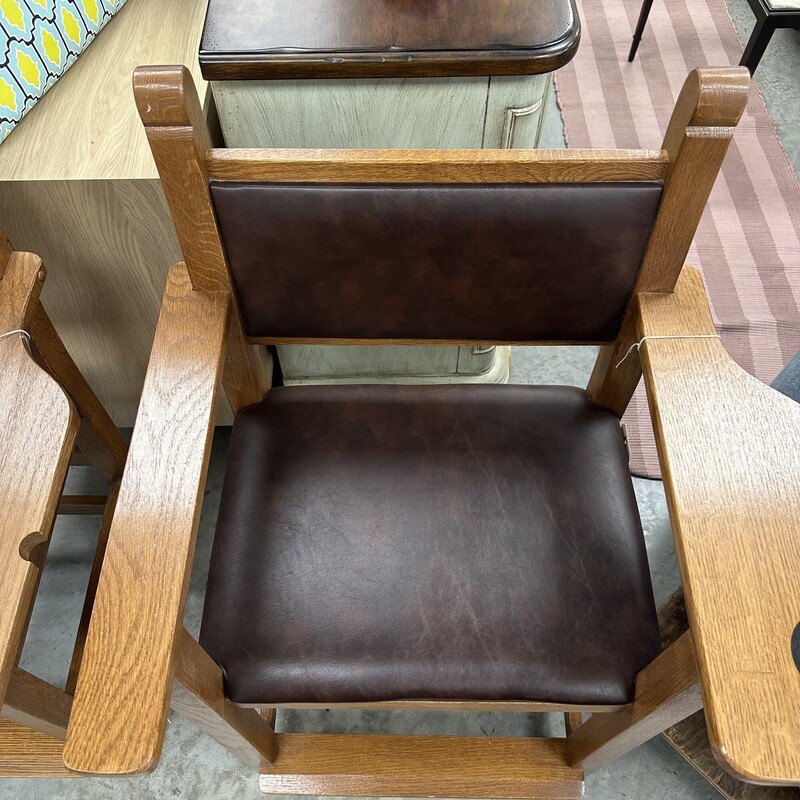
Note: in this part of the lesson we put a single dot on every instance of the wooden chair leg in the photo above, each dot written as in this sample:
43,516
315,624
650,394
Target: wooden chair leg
198,696
757,43
667,691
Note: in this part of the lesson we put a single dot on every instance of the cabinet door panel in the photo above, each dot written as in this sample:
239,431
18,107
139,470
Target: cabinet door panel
515,111
378,113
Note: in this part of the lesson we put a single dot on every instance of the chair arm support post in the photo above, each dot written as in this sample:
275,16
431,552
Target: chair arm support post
123,691
729,448
199,696
667,692
612,383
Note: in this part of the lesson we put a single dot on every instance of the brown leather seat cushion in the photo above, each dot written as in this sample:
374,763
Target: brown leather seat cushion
453,542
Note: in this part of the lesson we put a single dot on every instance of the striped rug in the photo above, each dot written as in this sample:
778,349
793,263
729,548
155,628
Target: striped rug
748,242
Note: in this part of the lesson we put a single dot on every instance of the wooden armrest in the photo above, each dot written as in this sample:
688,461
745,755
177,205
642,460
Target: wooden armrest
729,448
123,691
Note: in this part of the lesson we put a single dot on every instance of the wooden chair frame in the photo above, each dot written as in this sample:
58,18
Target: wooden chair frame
51,419
734,493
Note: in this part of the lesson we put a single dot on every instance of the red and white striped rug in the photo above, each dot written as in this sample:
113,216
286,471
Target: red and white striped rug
748,243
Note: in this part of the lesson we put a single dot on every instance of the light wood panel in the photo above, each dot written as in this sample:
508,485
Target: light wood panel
122,696
730,457
39,429
86,126
436,166
421,766
108,245
78,186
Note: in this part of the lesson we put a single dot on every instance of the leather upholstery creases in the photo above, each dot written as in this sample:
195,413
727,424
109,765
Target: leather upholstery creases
516,262
428,542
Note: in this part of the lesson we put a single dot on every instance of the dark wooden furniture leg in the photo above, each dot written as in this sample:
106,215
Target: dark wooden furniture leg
640,26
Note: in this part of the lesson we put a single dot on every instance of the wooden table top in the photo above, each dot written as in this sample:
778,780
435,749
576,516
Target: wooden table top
286,39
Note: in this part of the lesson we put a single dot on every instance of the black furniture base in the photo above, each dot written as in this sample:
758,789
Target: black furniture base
768,20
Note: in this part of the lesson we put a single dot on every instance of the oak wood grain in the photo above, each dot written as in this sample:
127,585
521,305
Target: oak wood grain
71,504
38,433
729,449
122,696
362,765
435,166
690,737
38,705
25,753
179,140
614,377
98,437
701,127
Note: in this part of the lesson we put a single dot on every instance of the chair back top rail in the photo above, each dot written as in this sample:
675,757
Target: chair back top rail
38,434
435,166
194,174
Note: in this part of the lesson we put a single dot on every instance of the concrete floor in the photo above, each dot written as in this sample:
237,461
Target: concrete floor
195,767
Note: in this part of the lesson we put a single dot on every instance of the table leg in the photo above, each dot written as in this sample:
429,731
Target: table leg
640,26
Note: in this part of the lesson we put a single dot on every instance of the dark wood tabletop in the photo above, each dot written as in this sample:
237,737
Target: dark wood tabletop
272,39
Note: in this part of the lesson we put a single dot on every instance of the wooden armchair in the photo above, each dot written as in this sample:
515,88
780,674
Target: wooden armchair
51,418
459,547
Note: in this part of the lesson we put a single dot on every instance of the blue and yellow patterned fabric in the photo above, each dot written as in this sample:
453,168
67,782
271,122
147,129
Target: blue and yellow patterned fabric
39,40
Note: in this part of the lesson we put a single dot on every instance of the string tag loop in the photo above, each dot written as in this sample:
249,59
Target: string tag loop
637,345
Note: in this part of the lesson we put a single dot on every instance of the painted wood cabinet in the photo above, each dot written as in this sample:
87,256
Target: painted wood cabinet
366,74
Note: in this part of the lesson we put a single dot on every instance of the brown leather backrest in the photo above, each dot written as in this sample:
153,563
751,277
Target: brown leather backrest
466,262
